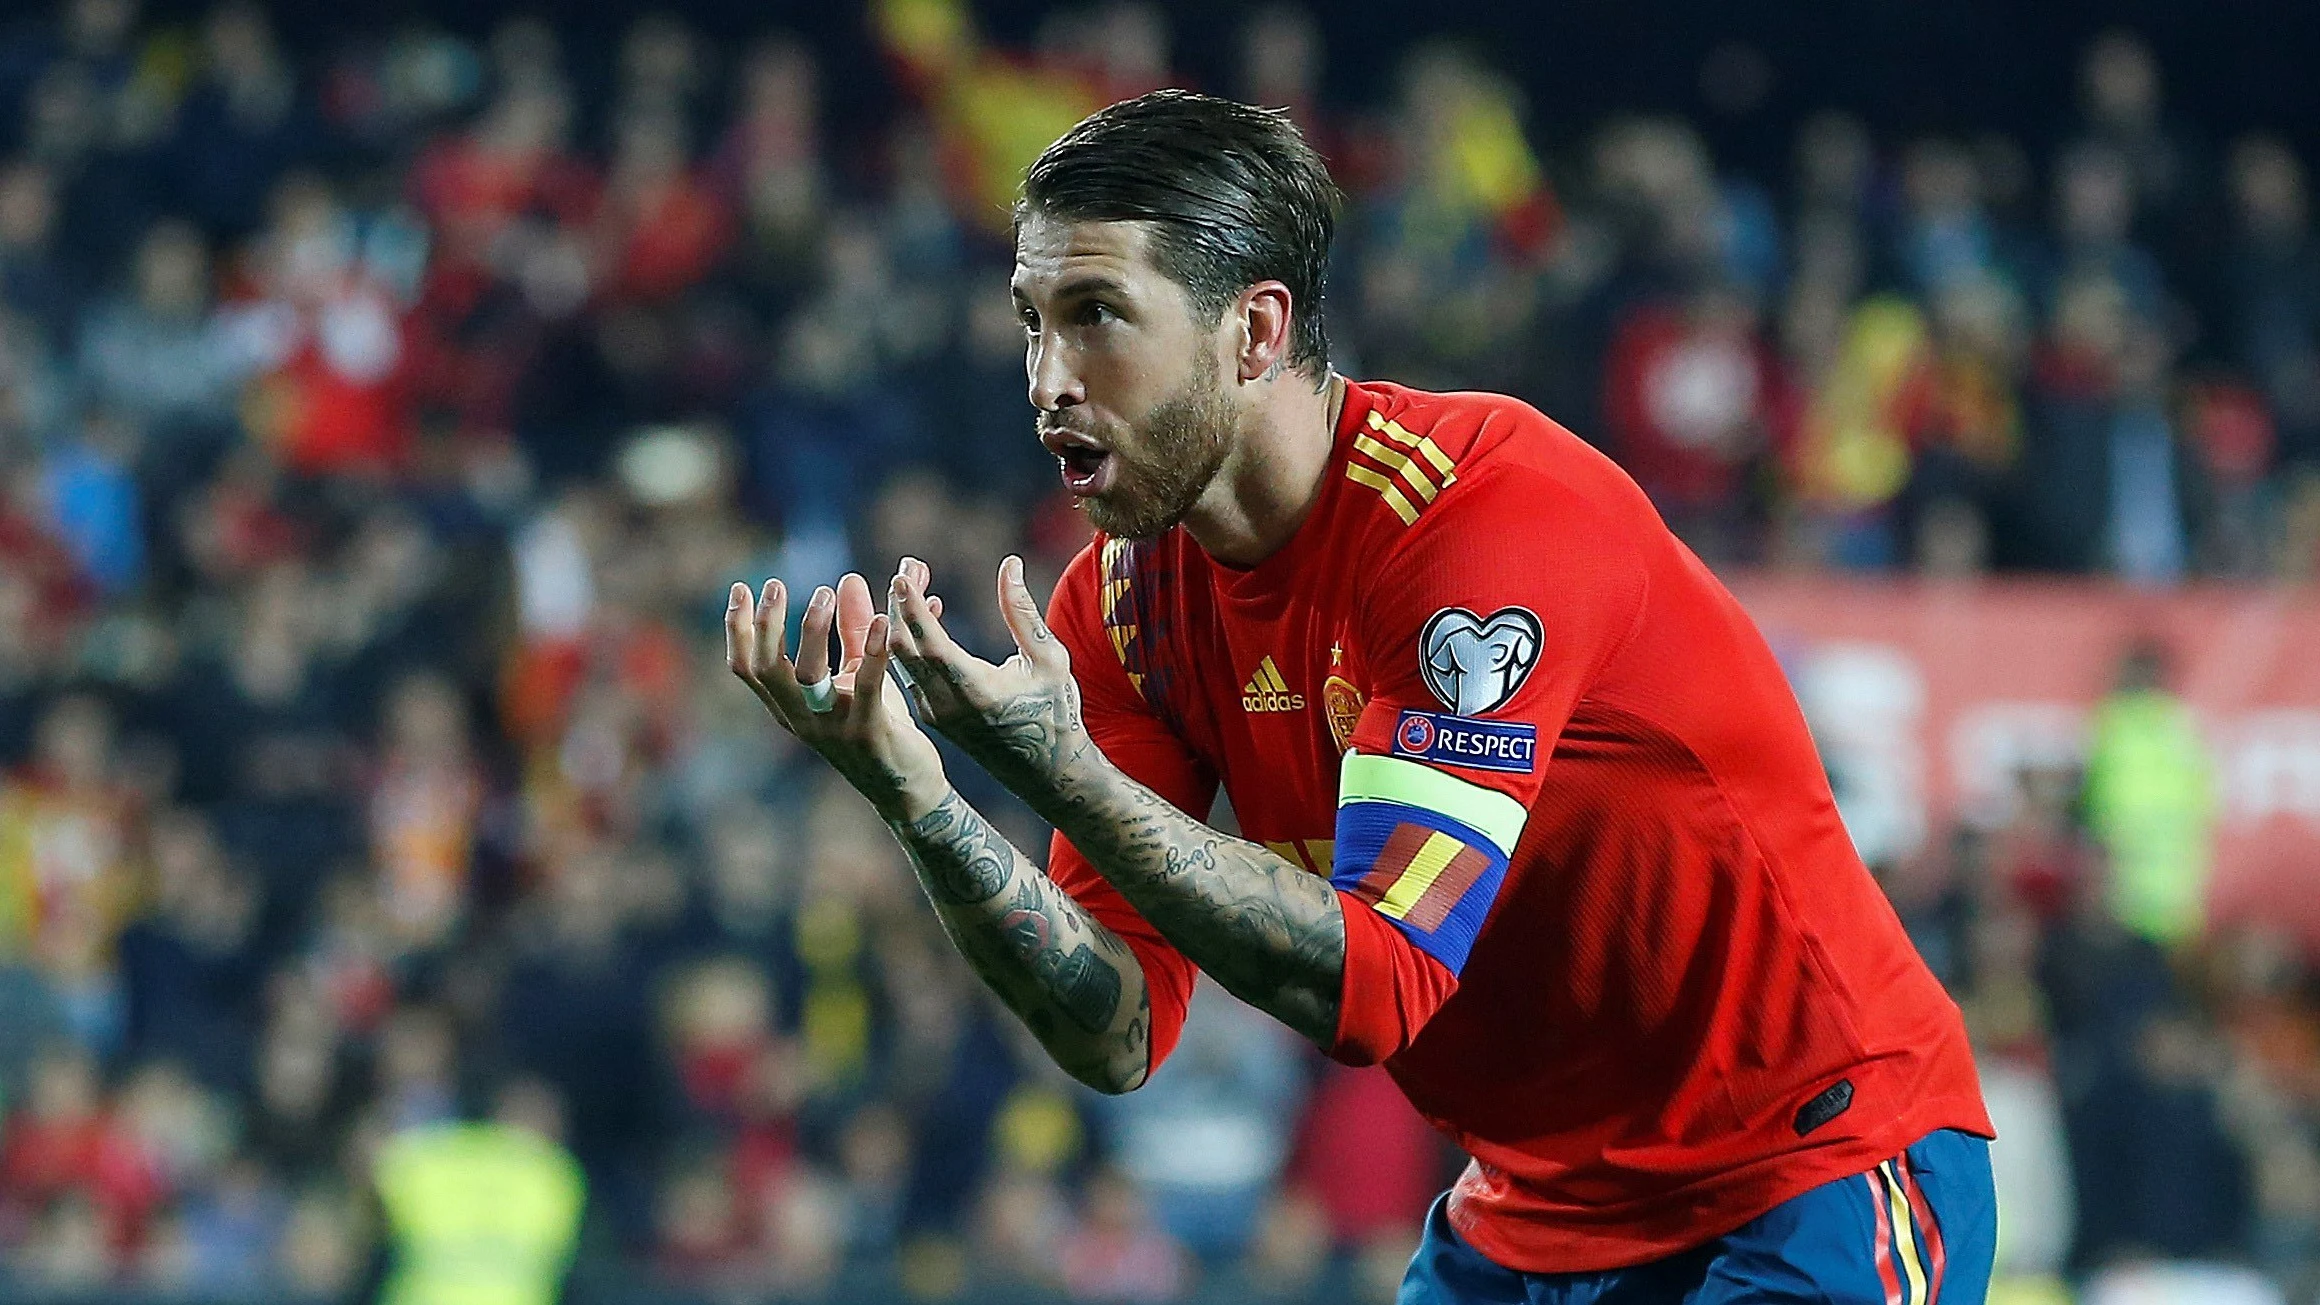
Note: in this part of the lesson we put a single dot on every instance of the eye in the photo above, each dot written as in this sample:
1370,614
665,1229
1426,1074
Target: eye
1096,314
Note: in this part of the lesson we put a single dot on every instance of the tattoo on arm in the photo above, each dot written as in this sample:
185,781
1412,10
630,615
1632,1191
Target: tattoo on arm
967,862
1265,928
1026,740
1060,970
1018,742
1085,987
1268,930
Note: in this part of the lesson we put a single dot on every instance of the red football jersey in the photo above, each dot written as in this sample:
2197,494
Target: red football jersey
1603,925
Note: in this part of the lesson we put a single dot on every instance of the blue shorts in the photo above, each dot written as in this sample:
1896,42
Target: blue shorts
1861,1240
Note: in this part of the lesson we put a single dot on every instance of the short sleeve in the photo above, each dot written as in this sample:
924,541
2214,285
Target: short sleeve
1134,738
1480,634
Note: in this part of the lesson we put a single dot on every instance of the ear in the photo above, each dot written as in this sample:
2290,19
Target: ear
1265,313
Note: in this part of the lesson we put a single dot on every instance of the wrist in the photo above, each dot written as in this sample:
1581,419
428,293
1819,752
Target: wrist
914,800
1075,788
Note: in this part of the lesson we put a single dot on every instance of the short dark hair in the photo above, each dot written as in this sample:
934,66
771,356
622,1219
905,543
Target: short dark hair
1234,195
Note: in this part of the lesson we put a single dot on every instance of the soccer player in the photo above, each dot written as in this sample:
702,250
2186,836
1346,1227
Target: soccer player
1532,817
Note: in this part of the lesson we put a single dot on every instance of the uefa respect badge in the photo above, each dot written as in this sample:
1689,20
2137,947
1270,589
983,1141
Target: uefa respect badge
1505,745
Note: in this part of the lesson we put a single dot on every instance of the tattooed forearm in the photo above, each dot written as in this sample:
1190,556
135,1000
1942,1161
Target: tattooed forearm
1266,929
960,858
1073,983
1086,988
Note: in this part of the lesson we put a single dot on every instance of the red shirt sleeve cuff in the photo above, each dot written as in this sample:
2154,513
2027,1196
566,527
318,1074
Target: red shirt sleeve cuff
1390,988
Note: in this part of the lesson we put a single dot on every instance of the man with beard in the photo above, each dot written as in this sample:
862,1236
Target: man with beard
1532,817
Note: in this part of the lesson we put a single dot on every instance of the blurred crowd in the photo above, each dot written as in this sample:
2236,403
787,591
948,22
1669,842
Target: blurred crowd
380,425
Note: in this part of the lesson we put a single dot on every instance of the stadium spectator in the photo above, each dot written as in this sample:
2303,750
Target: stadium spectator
426,802
68,851
2005,1016
191,966
2259,989
1115,1252
492,1204
2150,802
1288,1253
1694,406
2272,285
35,283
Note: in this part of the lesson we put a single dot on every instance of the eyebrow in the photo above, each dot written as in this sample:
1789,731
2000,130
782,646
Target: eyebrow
1087,284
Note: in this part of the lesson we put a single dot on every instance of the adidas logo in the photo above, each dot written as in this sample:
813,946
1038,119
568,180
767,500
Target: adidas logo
1267,691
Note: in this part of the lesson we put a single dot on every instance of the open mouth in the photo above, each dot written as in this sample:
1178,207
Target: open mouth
1087,465
1085,470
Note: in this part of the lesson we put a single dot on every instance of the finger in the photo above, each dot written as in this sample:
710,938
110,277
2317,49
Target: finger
1021,612
900,641
854,612
870,680
912,572
741,645
923,577
749,646
813,656
740,630
771,670
901,654
911,669
769,629
932,663
919,620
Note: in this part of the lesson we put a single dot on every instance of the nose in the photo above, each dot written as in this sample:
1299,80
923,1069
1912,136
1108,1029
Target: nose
1054,383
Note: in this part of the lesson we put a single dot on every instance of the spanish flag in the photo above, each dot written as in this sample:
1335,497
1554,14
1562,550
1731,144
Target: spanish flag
1420,874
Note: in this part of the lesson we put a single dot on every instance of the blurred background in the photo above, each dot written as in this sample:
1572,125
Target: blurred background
388,392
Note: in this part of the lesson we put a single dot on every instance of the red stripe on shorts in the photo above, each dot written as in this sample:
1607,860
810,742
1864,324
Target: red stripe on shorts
1923,1209
1887,1271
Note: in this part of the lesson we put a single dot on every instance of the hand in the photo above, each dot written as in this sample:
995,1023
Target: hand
1019,719
867,735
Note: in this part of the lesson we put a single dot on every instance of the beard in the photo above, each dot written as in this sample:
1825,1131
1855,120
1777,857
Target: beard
1168,460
